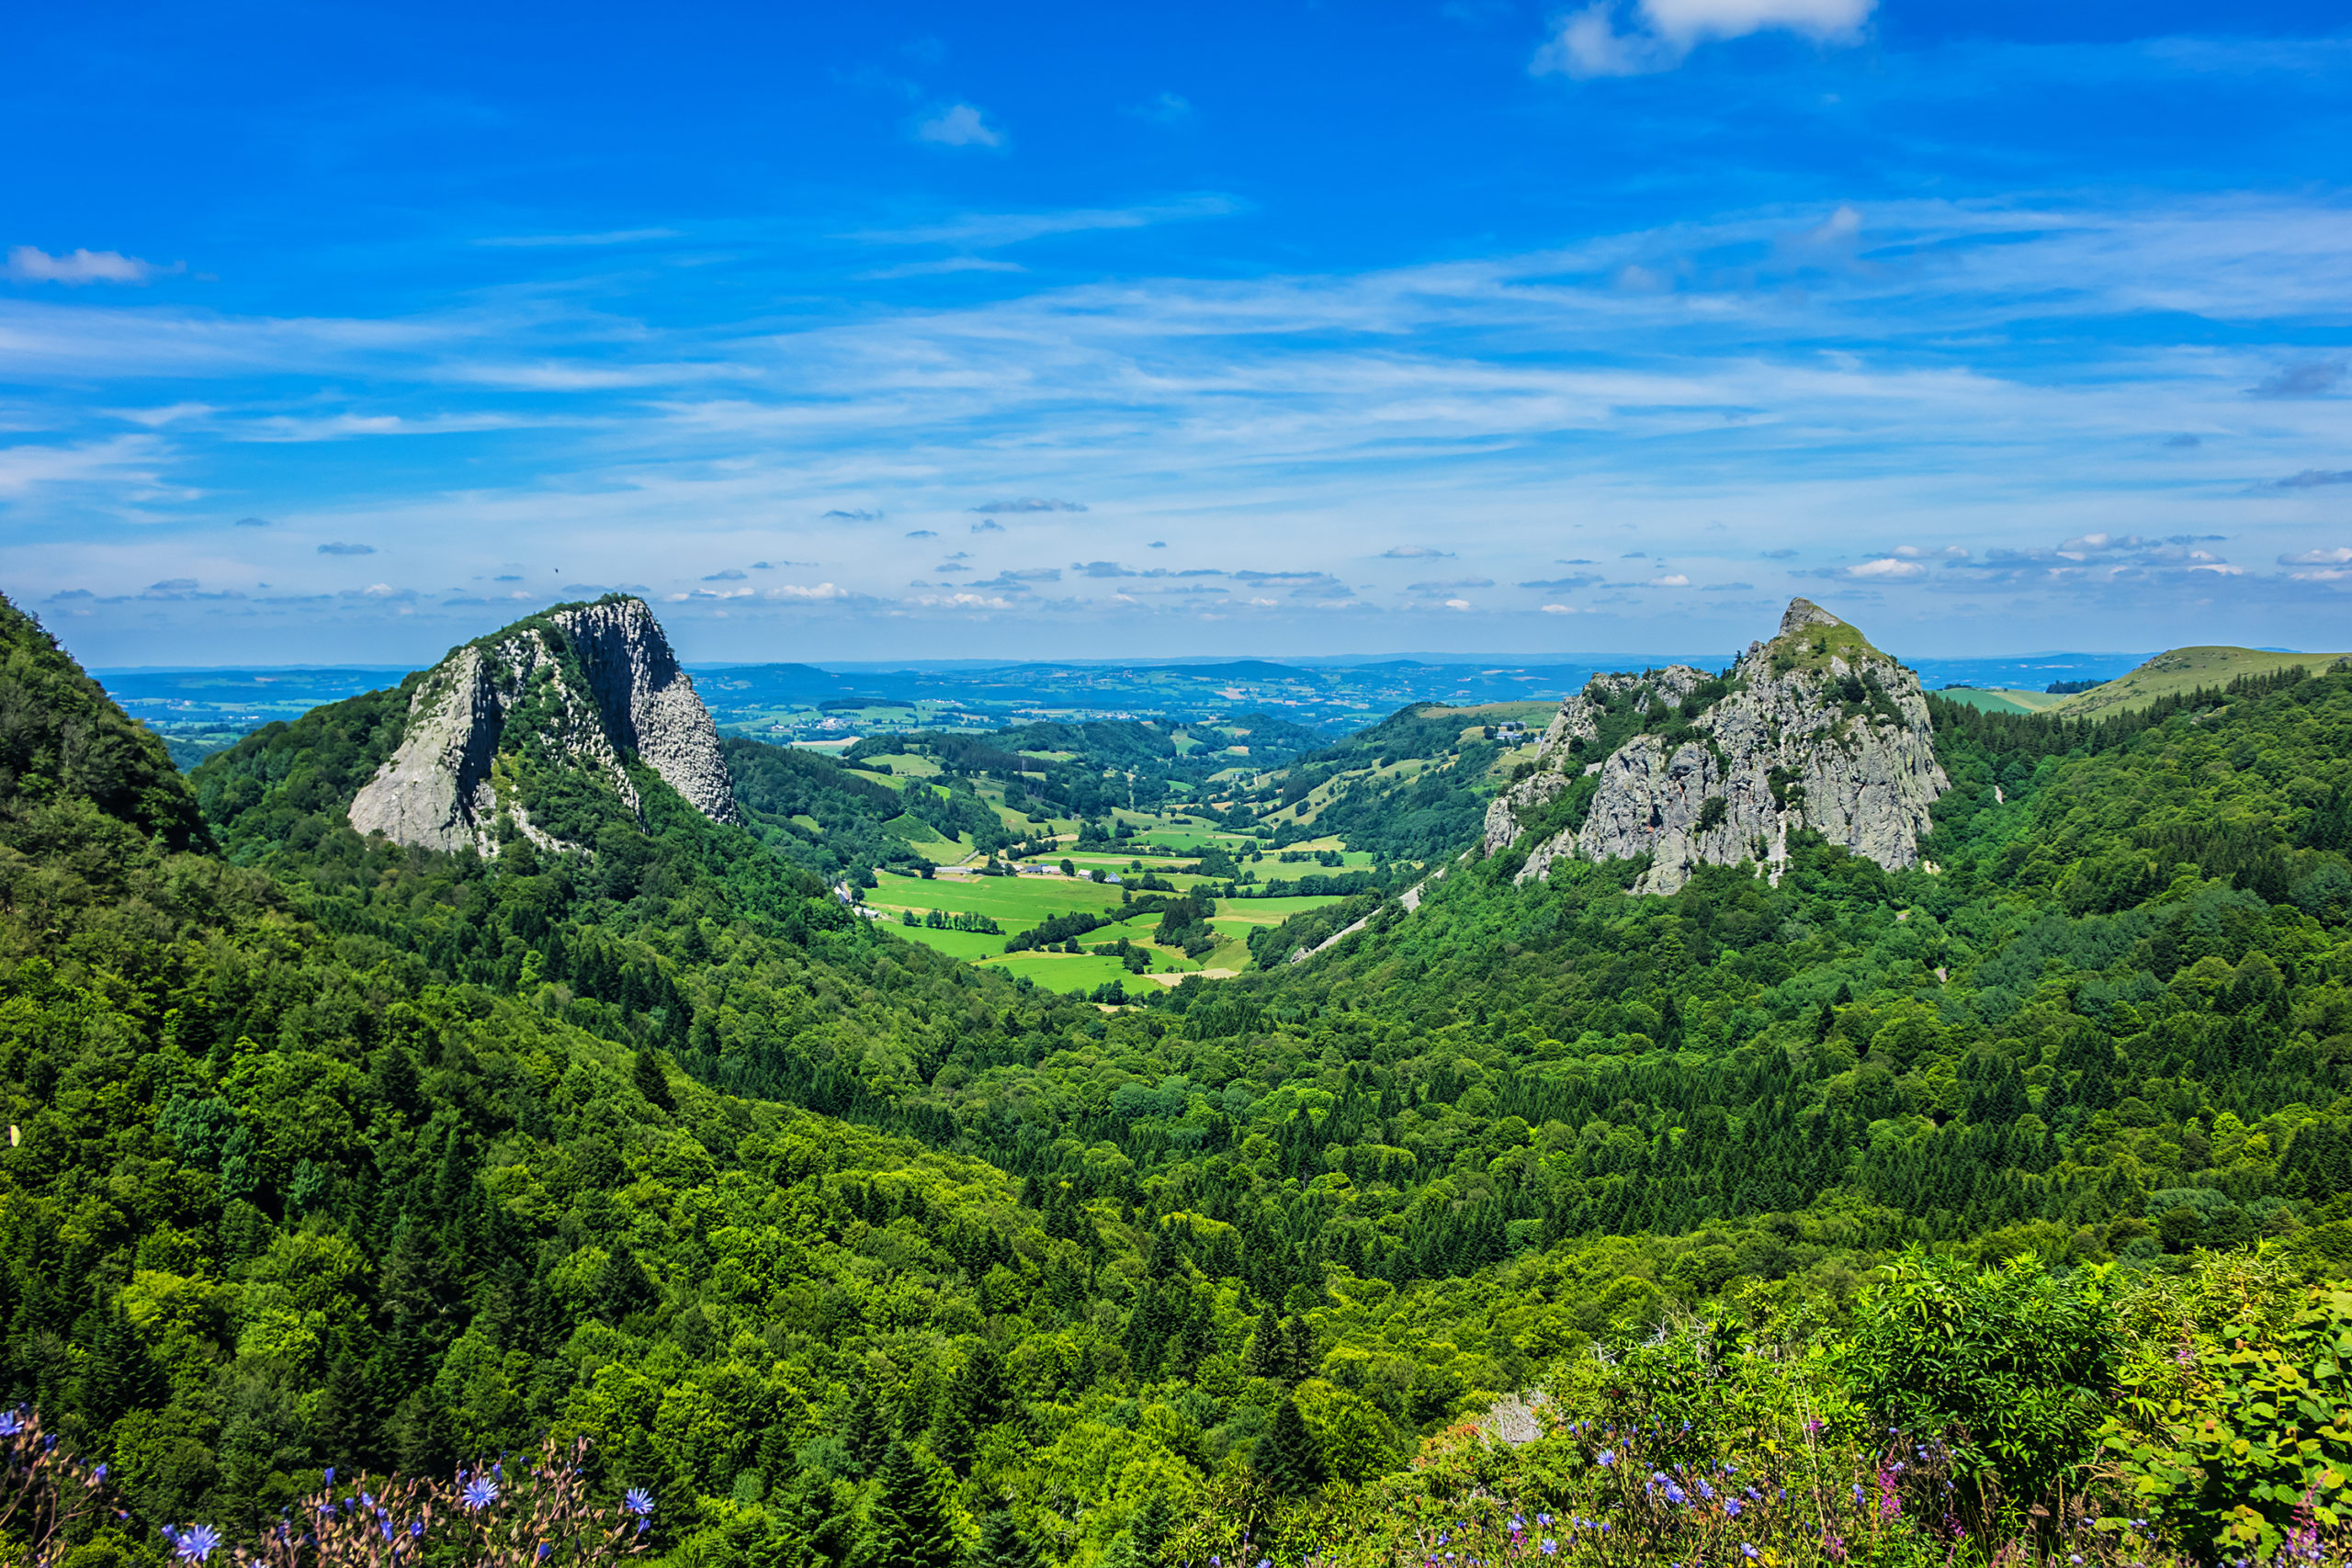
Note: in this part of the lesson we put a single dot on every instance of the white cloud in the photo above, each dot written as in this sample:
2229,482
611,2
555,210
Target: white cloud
1886,567
2338,557
938,268
987,230
959,125
794,591
610,237
1671,580
1564,610
1586,42
30,264
1457,604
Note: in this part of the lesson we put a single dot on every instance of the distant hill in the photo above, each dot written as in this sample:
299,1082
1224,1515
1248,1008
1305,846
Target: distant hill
2182,670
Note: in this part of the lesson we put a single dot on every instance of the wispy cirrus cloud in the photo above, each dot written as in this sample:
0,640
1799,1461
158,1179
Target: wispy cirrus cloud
988,231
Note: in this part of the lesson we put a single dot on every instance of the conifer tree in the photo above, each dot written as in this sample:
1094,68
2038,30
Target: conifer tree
1286,1459
866,1431
651,1082
1298,1350
816,1518
909,1525
119,1376
1266,1355
348,1420
1002,1543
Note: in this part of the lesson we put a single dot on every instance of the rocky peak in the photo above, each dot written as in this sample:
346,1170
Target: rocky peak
516,723
1802,613
1815,729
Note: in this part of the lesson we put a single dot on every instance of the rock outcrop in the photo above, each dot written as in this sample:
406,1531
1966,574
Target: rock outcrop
579,691
1814,729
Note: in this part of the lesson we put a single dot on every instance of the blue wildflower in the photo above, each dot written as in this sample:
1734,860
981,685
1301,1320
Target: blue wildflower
11,1423
1605,1458
479,1493
195,1543
1747,1551
638,1501
1550,1547
330,1477
1732,1507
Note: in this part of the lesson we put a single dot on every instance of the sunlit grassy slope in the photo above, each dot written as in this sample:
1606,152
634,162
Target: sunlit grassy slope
2185,669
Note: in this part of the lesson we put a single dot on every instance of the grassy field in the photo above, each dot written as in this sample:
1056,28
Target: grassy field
969,946
2185,669
1988,700
1189,837
1265,911
1016,903
908,764
1068,972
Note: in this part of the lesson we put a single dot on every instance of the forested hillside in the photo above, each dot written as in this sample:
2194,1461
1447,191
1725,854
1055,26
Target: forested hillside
326,1153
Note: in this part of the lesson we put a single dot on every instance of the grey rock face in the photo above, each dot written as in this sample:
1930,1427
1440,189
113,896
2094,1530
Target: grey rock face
1819,731
1509,809
649,704
621,693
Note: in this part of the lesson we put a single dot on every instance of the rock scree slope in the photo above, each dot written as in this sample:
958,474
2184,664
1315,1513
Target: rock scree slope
580,690
1815,729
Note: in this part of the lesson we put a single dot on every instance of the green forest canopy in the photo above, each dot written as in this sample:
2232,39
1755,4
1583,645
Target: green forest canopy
331,1153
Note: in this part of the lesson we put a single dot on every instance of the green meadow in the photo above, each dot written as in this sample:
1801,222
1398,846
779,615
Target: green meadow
1016,903
969,946
1068,972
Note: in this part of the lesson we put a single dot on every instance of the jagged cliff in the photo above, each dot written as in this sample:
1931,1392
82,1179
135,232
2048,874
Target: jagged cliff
1815,729
519,722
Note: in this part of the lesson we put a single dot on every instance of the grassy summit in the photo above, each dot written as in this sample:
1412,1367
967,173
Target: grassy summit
2182,670
1811,636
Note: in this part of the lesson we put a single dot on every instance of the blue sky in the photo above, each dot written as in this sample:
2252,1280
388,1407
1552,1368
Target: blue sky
345,333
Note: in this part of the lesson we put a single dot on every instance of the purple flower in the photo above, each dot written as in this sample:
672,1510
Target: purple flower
1747,1551
1543,1519
195,1543
1732,1507
479,1493
100,1474
330,1477
638,1501
1550,1547
416,1529
11,1423
1605,1458
543,1545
